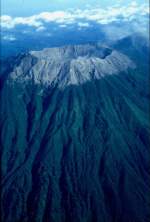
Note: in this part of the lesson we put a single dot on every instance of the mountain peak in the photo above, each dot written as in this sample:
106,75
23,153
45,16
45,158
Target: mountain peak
74,51
70,65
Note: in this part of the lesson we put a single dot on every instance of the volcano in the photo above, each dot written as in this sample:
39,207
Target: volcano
74,129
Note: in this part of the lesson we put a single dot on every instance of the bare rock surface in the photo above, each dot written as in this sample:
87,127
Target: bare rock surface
71,65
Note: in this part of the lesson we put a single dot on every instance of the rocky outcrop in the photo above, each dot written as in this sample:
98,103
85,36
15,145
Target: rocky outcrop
70,65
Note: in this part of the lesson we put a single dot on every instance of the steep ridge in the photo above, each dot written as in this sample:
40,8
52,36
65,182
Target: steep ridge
71,151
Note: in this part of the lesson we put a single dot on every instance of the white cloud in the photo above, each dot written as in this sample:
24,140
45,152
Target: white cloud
54,16
63,26
9,38
6,21
40,29
99,15
9,22
83,24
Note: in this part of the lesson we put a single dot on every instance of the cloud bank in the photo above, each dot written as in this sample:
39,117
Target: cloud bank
80,17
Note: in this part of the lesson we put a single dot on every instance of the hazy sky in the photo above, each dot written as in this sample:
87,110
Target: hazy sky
30,7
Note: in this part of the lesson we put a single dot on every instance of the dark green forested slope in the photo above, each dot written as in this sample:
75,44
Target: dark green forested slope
80,154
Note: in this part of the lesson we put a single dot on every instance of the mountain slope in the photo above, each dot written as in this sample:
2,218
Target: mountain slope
75,149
